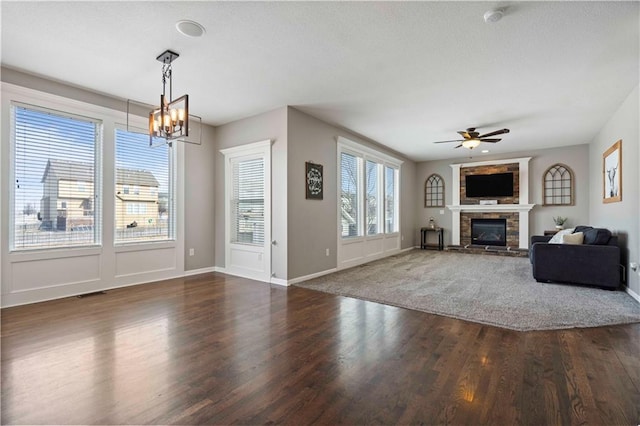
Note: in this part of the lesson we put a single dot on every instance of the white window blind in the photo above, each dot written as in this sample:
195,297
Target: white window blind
369,192
56,188
349,195
247,201
144,201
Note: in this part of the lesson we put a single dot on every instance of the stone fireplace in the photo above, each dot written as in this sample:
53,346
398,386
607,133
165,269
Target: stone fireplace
514,210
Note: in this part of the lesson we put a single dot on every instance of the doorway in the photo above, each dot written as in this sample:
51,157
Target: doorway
248,210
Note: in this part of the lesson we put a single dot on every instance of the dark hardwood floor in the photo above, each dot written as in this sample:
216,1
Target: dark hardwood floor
215,349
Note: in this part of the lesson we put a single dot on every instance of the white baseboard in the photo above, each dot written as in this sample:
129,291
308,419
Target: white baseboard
311,276
199,271
279,281
633,294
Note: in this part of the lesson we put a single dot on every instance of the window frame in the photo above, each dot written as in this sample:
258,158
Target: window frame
98,158
363,154
130,189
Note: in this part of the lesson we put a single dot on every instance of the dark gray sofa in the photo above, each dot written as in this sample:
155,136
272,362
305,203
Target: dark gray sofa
596,262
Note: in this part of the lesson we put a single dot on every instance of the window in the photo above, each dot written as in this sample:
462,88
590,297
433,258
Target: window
369,201
434,191
54,154
558,186
144,202
247,201
349,195
391,199
372,198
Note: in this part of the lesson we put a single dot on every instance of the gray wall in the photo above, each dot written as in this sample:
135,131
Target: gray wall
312,224
199,192
541,218
621,217
269,125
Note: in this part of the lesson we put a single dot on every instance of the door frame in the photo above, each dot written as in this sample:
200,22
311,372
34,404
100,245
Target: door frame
256,149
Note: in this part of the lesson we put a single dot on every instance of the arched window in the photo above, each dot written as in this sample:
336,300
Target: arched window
434,191
557,186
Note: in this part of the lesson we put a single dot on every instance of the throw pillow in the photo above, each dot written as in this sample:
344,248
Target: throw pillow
582,228
597,236
575,238
557,238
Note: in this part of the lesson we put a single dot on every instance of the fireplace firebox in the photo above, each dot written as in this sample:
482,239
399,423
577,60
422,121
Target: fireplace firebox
489,232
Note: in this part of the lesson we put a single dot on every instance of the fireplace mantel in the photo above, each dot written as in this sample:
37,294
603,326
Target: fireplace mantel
491,207
523,208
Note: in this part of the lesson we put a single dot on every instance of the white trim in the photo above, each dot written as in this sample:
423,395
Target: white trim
494,162
363,154
311,276
261,149
280,281
491,208
239,274
633,294
200,271
25,298
374,153
249,148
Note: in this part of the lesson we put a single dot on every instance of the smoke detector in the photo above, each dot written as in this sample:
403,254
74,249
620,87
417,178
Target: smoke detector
494,15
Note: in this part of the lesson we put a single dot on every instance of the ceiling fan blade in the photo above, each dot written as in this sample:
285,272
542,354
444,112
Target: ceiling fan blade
457,146
471,129
464,134
457,140
497,132
490,140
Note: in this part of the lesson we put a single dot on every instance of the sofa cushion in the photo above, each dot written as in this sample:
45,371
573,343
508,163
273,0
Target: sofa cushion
557,238
575,238
597,236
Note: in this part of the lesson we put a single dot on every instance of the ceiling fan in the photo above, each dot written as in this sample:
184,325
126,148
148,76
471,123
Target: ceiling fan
472,138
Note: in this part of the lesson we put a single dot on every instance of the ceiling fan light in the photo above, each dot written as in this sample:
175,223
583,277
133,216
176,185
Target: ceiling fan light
470,143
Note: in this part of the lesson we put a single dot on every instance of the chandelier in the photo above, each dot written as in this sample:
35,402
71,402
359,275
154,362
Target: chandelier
170,120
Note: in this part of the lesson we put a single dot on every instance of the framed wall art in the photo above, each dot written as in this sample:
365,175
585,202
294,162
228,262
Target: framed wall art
314,181
612,173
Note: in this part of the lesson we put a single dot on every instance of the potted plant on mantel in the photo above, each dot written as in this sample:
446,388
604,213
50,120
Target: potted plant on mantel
559,220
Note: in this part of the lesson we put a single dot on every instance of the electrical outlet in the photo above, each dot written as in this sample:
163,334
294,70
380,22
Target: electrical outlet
326,252
633,266
442,211
192,252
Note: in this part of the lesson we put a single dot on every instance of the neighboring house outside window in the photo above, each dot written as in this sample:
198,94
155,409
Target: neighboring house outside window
50,184
144,203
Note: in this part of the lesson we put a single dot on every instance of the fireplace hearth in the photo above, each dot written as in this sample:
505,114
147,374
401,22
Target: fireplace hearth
489,232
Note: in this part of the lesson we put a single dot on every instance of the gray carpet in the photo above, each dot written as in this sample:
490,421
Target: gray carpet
494,290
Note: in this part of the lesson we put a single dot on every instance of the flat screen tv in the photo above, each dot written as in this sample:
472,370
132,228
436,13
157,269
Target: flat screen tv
494,185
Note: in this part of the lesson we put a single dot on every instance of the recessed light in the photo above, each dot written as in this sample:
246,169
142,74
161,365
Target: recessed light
190,28
484,151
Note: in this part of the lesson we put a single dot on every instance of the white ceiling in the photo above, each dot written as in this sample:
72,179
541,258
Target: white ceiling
404,74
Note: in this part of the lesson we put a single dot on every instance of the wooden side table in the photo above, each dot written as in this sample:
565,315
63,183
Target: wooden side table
551,232
423,238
